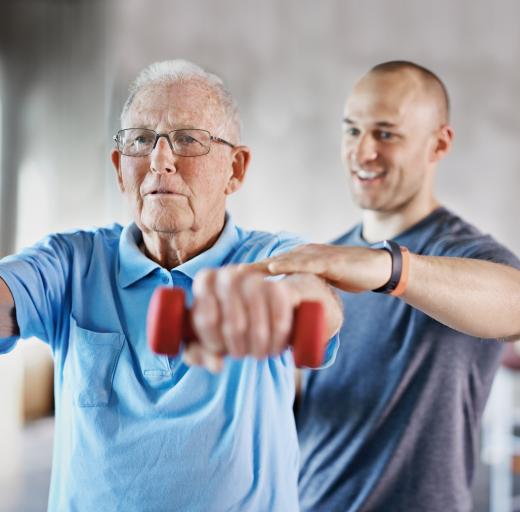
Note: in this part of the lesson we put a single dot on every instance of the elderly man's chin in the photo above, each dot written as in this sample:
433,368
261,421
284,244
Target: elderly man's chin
166,224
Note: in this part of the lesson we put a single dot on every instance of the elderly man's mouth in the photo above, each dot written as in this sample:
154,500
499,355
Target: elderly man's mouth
162,193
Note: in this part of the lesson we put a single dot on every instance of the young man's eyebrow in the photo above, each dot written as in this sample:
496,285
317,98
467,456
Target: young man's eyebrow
380,124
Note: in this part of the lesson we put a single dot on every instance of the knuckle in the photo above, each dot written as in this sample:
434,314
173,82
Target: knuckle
208,322
260,340
253,284
205,321
226,280
279,295
202,280
280,338
233,331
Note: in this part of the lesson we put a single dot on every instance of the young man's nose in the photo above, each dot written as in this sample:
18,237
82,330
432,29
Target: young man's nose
365,149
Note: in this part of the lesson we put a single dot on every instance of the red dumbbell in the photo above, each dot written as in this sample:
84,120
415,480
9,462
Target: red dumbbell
169,322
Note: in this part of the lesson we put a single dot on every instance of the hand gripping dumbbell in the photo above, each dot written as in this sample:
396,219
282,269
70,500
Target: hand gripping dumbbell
169,323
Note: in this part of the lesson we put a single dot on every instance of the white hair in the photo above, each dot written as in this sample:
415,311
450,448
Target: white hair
179,70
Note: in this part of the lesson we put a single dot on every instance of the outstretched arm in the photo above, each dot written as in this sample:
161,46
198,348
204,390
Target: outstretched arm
8,325
479,298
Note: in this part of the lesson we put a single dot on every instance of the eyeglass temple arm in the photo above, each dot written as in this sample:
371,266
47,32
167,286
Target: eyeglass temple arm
218,139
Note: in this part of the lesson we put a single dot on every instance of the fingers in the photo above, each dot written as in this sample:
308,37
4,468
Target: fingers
269,307
289,263
259,266
349,268
238,312
305,259
281,315
206,314
292,266
234,316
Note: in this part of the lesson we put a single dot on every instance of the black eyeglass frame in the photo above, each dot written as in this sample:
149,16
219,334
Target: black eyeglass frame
116,139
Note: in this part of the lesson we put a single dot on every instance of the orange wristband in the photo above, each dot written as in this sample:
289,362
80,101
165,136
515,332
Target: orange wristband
405,272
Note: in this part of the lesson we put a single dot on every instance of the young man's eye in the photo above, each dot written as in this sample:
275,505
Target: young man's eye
351,131
384,135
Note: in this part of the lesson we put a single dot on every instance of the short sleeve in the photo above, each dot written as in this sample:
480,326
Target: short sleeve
481,247
286,242
38,279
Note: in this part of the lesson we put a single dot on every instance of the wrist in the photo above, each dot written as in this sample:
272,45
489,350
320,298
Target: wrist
400,257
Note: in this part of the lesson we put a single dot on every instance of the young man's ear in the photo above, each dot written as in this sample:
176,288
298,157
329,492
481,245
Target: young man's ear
444,142
241,158
116,162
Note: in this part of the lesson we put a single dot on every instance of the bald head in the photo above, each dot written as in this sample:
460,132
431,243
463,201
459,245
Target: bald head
425,82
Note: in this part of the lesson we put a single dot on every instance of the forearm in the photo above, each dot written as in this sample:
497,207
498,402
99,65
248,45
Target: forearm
473,296
477,297
308,287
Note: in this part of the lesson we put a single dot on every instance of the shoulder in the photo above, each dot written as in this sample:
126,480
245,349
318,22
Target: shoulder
351,237
105,234
455,237
78,241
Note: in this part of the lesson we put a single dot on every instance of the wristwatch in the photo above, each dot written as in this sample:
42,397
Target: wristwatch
396,285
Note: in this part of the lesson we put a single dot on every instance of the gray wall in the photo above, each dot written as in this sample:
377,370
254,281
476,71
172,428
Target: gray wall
66,66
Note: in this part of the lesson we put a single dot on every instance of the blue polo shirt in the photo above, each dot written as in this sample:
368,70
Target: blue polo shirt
140,432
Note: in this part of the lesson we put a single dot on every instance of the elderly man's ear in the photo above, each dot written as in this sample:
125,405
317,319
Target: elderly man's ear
241,157
116,160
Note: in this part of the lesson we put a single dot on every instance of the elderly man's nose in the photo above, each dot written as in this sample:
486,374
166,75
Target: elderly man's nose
162,157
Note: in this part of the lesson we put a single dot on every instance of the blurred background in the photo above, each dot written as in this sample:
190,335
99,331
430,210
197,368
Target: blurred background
65,66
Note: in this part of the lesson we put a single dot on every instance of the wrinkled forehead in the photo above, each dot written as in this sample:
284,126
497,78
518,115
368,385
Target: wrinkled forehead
187,104
388,97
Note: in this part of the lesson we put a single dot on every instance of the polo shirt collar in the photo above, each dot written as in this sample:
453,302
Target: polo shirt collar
134,265
216,254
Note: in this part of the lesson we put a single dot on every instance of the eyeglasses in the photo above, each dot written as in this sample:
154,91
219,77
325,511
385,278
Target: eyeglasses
183,142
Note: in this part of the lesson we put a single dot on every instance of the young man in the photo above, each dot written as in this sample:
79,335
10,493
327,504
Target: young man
393,425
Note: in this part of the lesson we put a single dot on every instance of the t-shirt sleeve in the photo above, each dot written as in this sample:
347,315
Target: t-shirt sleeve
38,279
483,247
287,243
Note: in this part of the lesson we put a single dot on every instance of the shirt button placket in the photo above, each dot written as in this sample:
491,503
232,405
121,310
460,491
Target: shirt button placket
183,281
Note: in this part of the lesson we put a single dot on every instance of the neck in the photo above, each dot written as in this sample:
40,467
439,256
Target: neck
381,225
172,249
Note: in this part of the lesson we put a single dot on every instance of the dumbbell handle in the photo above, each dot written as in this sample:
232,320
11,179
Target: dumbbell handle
169,322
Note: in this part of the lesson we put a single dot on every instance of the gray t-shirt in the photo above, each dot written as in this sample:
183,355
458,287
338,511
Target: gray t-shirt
393,424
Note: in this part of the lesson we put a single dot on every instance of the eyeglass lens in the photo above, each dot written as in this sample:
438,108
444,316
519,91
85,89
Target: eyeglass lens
184,142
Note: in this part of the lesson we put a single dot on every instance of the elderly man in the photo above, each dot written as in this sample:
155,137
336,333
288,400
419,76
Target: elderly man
136,431
393,425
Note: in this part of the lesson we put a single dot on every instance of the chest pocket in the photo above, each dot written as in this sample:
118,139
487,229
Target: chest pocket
91,364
